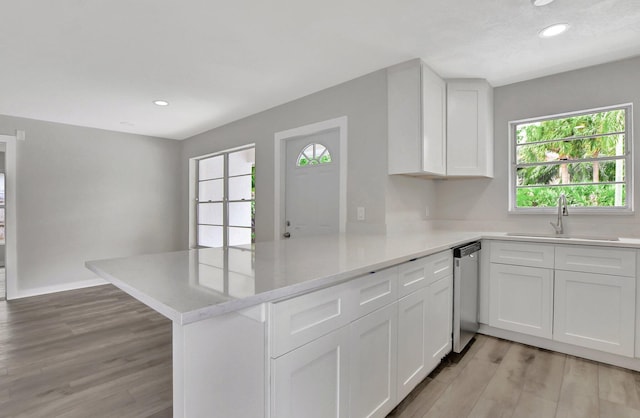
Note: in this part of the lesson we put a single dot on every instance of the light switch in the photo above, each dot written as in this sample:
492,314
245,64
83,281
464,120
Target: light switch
360,213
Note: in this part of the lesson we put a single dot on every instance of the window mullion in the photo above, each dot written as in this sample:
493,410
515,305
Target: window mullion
570,138
572,161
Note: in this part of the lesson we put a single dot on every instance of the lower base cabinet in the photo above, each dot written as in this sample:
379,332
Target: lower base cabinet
595,311
440,321
521,299
412,341
313,380
373,363
386,346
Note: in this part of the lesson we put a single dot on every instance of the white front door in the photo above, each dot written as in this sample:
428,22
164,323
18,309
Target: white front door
312,184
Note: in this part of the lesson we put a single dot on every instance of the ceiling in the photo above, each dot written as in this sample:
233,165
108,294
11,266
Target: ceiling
102,63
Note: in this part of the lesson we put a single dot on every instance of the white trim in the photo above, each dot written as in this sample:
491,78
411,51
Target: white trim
193,180
628,209
11,216
45,290
560,347
279,169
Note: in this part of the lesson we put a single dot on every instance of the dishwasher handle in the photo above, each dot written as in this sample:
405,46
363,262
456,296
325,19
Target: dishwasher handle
467,249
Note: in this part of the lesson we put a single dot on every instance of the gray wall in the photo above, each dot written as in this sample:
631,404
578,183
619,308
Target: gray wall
483,204
364,102
87,194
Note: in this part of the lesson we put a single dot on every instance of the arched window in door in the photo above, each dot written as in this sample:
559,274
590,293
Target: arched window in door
313,154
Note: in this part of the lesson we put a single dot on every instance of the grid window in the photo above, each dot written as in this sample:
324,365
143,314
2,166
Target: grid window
584,155
225,203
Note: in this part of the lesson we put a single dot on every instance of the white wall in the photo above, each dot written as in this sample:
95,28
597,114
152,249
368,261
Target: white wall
364,102
87,194
483,204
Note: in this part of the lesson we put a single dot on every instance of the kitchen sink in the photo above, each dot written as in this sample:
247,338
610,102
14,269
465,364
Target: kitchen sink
564,236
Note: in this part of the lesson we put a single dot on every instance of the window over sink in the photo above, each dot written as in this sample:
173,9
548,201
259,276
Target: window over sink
586,155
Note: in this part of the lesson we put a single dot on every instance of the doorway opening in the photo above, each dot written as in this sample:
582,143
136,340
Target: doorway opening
8,219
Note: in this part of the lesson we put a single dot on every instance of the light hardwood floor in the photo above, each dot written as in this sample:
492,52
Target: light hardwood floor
97,352
88,353
498,378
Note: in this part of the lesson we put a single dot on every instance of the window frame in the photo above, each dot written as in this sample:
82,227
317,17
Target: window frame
628,209
226,201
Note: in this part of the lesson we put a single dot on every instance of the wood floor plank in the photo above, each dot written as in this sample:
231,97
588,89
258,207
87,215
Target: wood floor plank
579,391
615,410
505,387
544,375
92,352
449,370
459,398
531,406
619,386
420,400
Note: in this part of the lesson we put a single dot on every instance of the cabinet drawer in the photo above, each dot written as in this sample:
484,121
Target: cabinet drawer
420,273
522,254
616,261
375,290
302,319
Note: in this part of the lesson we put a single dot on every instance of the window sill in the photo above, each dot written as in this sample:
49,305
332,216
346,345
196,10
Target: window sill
573,211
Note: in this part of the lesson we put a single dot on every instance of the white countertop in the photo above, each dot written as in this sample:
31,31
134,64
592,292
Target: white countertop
188,286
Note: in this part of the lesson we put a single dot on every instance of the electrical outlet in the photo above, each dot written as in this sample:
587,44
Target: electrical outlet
360,213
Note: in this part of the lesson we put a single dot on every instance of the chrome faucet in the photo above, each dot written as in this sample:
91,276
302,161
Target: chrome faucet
562,211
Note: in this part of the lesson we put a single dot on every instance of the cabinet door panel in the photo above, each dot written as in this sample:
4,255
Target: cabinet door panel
521,299
412,341
595,311
469,128
439,312
313,380
373,363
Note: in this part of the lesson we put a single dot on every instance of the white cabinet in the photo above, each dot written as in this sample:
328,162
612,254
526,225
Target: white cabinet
419,273
298,320
595,311
522,254
438,128
416,119
373,363
390,328
469,128
575,294
413,342
439,320
521,299
313,380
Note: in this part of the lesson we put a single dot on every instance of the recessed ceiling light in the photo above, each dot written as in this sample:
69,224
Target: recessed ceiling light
161,102
539,3
553,30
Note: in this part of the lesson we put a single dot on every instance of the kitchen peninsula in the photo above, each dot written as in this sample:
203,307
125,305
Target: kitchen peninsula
228,307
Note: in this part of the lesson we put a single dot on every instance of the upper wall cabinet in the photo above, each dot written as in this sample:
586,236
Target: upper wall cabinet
438,128
417,120
469,128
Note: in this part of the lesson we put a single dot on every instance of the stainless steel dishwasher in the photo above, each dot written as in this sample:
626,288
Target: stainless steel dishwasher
465,294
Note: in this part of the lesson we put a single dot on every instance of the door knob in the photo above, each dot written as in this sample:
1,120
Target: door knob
286,235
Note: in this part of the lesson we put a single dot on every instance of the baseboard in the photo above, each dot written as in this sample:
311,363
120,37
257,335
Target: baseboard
586,353
45,290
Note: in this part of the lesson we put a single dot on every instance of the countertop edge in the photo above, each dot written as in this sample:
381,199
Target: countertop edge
184,318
